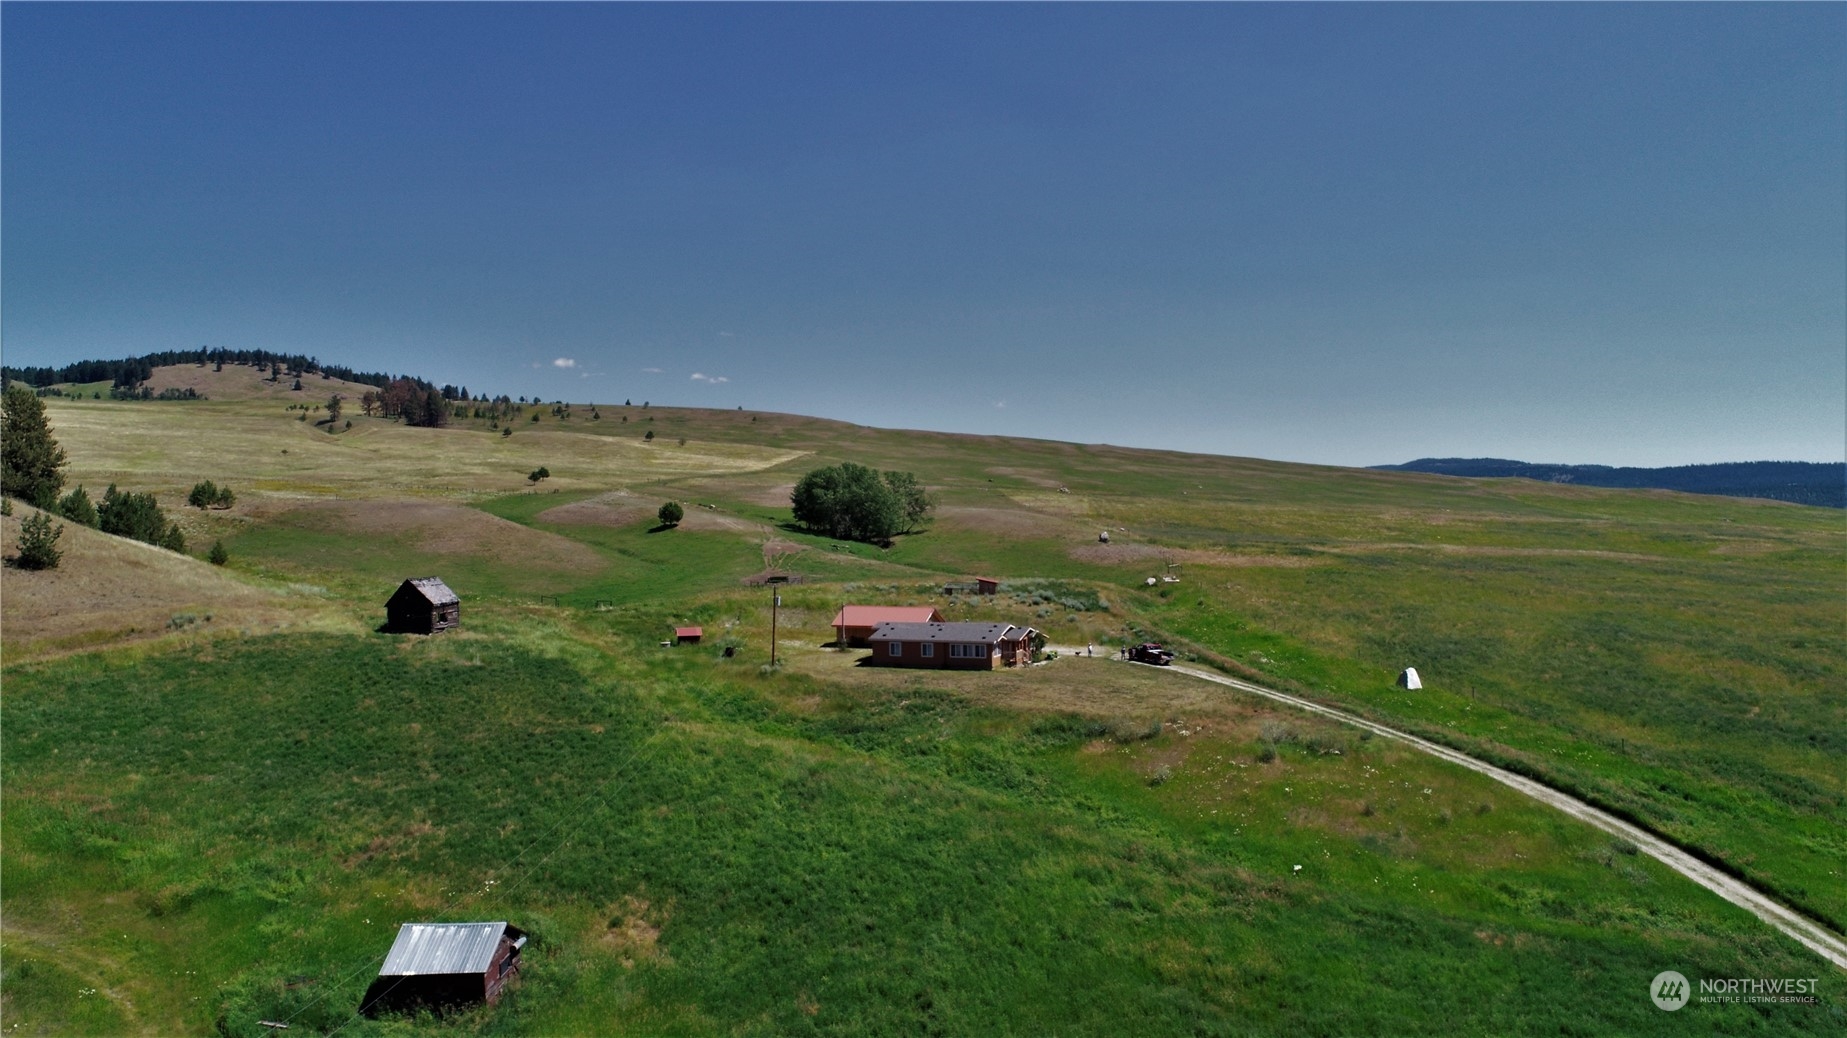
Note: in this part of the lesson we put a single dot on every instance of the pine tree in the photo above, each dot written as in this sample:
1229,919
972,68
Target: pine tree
77,507
218,556
30,459
38,543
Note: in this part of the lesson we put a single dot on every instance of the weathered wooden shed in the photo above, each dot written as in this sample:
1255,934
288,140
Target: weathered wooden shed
445,966
422,605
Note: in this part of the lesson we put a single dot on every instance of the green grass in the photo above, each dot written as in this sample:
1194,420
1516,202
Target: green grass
880,863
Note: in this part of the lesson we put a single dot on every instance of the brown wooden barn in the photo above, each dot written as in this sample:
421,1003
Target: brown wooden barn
952,646
445,966
422,605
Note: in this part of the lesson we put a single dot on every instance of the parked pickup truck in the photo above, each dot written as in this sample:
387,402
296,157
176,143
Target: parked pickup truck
1150,653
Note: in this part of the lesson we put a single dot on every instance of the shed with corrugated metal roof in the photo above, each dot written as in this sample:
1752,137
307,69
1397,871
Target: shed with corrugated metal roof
445,965
423,605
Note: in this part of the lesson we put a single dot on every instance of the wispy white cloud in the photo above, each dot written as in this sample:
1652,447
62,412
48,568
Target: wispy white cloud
652,371
1000,403
725,335
564,362
700,376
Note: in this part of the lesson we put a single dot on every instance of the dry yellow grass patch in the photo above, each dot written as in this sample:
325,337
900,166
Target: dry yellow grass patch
1008,522
237,382
615,508
1053,503
109,590
261,449
441,528
634,932
1124,554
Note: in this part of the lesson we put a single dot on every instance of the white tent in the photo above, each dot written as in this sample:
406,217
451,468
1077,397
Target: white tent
1409,679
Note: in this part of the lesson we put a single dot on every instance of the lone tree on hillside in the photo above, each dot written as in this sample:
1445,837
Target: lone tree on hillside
38,543
855,503
913,503
31,462
539,473
671,513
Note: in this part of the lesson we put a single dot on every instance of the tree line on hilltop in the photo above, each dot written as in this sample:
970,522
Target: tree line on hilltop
1799,482
130,372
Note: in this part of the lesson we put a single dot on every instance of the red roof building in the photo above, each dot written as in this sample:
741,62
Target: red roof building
688,635
854,624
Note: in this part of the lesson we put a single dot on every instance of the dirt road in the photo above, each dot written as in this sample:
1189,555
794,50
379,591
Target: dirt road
1814,936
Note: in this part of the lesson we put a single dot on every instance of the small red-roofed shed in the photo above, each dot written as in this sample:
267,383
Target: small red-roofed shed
688,635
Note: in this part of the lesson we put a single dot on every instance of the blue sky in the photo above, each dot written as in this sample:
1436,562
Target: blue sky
1348,234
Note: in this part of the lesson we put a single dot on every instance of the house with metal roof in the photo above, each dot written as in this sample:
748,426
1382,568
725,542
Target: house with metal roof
952,646
854,624
423,605
445,965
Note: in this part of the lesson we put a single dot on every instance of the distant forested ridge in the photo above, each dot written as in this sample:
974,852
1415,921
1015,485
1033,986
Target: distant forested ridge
130,372
1800,482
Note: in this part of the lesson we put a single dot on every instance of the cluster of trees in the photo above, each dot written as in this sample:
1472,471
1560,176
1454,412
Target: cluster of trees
139,517
147,393
206,494
409,400
855,503
32,470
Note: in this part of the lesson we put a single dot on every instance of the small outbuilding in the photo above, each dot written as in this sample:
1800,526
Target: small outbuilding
986,586
422,605
688,635
439,966
1409,679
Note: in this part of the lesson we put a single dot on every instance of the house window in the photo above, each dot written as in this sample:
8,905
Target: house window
895,648
968,652
926,649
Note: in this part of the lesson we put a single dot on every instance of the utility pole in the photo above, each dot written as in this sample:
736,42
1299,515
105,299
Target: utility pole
775,601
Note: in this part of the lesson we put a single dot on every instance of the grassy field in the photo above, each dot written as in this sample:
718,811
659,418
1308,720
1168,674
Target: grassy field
700,847
210,824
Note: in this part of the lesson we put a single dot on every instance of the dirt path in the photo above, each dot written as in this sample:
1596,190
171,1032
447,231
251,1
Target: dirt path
95,968
1814,936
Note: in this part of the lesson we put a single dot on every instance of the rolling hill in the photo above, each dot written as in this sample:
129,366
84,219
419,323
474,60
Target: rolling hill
222,823
1798,482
